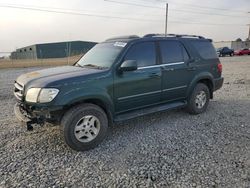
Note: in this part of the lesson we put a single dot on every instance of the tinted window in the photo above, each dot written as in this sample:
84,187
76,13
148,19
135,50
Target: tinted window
185,54
205,49
173,51
143,53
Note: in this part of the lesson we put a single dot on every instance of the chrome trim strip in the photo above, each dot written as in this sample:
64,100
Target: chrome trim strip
18,86
17,96
173,88
161,65
153,92
138,95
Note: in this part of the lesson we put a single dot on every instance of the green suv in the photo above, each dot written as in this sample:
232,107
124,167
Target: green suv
119,79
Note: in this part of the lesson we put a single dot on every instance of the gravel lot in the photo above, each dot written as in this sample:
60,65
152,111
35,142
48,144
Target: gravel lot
167,149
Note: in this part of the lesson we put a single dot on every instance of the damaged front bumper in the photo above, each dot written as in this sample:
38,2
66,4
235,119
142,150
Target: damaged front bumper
23,116
30,115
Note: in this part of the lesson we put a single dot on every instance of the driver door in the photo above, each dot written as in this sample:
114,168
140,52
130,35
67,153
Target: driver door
141,87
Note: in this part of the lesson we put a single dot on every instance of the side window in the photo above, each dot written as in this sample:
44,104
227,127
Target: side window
205,49
143,53
172,52
186,57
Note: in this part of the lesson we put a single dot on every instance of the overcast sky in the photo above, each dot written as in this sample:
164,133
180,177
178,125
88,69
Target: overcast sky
20,27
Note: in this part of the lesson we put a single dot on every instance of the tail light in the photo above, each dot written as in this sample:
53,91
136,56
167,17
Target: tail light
219,67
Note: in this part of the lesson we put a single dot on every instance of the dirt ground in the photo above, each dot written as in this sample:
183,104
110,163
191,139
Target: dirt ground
166,149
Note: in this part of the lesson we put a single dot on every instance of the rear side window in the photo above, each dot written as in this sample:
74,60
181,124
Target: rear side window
143,53
172,52
205,49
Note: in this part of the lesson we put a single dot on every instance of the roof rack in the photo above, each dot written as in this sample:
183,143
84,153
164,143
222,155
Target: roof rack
123,37
174,35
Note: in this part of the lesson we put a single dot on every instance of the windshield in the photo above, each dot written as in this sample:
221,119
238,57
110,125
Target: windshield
101,55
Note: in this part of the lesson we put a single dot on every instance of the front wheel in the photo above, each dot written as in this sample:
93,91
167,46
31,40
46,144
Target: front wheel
199,99
84,126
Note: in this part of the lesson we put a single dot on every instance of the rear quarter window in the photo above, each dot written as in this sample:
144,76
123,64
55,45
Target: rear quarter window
205,49
172,51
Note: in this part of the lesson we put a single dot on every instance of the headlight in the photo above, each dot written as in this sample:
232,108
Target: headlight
32,94
47,95
41,95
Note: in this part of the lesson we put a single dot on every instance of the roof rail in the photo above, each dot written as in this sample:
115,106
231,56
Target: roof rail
174,35
123,37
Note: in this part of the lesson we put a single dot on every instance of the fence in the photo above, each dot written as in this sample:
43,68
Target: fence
35,62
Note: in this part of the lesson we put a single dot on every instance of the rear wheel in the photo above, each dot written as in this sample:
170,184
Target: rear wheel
84,126
199,99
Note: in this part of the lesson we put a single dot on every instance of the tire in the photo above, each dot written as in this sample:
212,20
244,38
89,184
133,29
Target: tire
200,91
84,126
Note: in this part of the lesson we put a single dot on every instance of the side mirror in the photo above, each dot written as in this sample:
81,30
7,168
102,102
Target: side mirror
128,65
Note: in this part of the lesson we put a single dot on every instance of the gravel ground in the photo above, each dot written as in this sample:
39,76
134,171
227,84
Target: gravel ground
167,149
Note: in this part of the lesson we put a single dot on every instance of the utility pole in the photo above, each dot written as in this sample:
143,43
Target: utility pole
249,32
166,21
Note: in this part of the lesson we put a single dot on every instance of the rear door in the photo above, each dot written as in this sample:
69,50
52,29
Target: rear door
142,87
176,74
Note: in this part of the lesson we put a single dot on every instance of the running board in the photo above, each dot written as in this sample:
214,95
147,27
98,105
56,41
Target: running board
149,110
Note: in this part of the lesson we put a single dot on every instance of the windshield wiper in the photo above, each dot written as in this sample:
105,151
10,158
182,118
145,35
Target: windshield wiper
78,65
94,66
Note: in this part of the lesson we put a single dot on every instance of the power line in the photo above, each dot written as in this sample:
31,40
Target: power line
76,13
113,17
177,10
78,10
206,24
68,11
204,7
134,4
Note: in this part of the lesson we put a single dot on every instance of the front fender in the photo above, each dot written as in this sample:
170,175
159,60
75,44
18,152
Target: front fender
78,95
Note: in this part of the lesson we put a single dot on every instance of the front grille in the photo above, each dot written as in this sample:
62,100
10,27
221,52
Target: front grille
18,91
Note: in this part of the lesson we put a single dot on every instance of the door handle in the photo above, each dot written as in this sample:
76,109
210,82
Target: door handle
154,75
191,68
167,69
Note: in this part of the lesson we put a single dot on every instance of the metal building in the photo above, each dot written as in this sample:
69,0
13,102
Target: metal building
52,50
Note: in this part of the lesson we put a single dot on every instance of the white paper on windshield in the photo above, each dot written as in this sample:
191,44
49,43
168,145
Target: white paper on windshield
120,44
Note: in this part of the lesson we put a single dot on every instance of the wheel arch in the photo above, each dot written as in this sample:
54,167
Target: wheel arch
106,106
206,79
209,84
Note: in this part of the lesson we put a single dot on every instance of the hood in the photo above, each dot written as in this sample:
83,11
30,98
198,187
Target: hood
53,75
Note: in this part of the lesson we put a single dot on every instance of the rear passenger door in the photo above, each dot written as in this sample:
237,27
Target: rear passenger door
176,75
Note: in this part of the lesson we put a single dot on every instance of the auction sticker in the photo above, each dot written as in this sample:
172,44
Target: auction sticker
120,44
